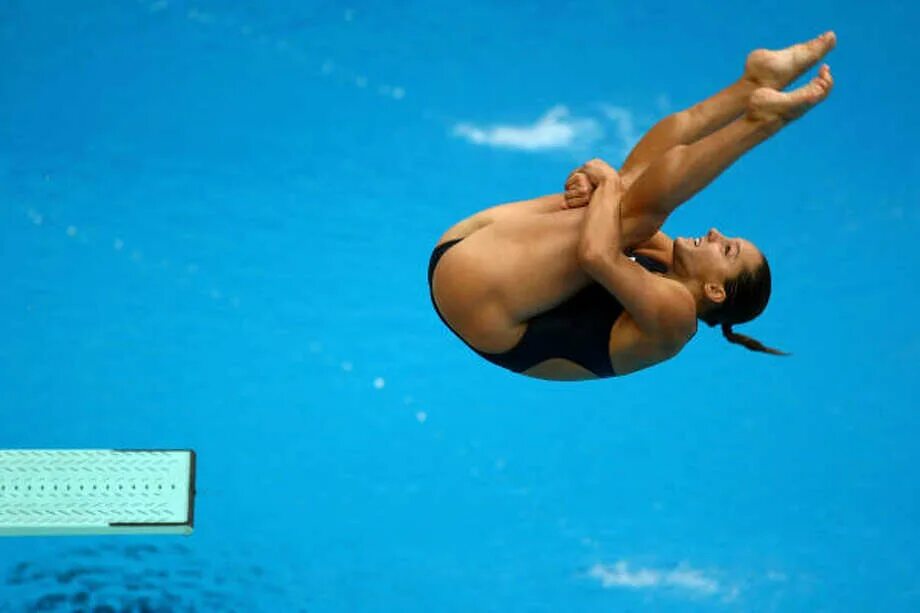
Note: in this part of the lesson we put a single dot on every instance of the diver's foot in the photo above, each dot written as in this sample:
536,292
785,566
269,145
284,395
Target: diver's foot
767,103
777,69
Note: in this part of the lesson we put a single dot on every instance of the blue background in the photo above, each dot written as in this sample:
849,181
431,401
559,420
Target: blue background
215,223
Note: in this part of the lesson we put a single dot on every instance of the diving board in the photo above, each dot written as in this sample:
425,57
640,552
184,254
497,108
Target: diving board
81,491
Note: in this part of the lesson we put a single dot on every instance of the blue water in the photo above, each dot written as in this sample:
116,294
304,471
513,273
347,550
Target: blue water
215,221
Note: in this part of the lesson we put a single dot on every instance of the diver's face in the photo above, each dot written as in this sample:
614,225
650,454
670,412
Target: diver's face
714,257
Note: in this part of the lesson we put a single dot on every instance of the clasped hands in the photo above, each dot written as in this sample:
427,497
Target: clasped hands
583,180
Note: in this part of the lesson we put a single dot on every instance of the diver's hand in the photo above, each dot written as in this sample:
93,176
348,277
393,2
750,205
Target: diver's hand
578,190
599,171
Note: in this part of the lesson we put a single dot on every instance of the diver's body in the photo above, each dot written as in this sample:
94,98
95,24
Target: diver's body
509,278
493,302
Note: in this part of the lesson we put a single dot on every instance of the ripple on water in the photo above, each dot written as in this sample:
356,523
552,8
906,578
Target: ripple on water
141,578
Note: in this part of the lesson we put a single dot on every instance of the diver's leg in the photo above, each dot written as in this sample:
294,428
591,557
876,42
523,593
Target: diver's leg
502,212
763,68
688,126
680,173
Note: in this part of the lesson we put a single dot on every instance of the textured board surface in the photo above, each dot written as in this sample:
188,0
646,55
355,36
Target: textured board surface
48,492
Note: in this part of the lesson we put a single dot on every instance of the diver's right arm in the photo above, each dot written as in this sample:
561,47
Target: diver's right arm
579,189
661,308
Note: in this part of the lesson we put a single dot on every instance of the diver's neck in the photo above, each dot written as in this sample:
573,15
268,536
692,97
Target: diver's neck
694,286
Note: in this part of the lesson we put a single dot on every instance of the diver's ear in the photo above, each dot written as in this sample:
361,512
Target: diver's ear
715,292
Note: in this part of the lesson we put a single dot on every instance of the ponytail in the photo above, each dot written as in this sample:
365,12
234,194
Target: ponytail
746,297
747,341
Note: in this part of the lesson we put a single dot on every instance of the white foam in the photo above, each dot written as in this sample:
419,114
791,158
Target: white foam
683,578
555,129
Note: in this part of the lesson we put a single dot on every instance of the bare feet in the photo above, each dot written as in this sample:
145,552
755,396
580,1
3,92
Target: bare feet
767,103
777,69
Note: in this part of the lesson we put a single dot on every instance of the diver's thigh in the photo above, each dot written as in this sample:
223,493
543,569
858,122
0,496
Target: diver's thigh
518,268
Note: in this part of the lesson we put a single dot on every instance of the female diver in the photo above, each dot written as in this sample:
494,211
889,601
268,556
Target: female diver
583,284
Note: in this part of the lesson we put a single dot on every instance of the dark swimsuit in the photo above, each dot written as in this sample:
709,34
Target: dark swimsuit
577,330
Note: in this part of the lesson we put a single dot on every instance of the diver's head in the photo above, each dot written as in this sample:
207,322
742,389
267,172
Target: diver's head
714,259
731,279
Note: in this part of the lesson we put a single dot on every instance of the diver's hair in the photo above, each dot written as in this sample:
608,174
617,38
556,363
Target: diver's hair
746,297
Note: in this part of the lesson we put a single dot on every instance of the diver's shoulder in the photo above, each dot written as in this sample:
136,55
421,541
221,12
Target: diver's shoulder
679,321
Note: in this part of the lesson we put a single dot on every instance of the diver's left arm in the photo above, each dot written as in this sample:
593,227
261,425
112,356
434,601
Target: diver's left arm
660,308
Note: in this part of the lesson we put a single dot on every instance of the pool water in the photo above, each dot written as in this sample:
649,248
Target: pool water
215,223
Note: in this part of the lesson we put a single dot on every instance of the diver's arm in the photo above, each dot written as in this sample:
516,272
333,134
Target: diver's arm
659,246
660,308
600,230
